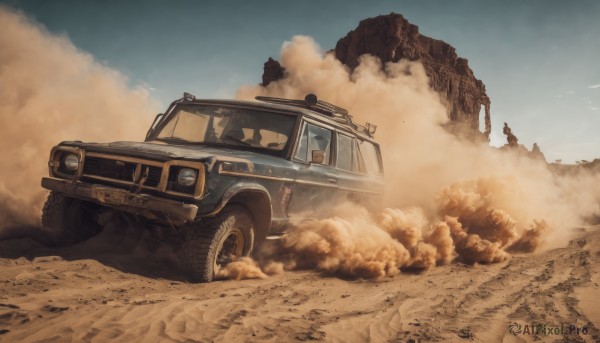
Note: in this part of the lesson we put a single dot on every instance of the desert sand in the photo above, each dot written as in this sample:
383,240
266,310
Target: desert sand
123,286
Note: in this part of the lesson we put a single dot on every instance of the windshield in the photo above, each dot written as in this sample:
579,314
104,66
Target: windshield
227,126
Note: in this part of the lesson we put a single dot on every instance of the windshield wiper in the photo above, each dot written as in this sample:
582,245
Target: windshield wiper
236,140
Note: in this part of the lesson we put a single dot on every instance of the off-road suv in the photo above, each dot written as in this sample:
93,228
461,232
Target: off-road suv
225,173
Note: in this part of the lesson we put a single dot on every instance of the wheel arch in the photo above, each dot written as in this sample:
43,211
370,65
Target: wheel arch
257,200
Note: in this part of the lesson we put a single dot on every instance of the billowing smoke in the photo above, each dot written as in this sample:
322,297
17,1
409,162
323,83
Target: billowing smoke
451,198
53,92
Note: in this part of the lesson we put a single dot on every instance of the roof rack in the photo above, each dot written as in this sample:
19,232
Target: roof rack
311,102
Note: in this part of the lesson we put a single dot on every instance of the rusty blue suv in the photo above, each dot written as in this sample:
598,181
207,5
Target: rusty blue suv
224,173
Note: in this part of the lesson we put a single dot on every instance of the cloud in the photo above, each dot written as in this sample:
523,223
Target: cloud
59,93
146,86
594,86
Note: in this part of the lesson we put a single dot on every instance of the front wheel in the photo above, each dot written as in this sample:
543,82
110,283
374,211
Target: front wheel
211,243
67,220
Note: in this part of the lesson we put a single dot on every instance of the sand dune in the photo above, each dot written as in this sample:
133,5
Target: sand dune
123,286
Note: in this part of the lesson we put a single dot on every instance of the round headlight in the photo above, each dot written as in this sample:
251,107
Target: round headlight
71,162
187,177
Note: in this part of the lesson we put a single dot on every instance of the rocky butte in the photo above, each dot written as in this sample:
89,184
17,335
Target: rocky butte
392,38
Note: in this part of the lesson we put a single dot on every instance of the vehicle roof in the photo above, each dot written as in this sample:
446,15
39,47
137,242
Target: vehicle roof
283,108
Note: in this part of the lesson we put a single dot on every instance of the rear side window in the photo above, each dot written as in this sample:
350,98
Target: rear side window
345,152
370,156
312,138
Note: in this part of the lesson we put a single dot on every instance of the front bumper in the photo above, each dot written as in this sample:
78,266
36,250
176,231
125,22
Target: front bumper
147,205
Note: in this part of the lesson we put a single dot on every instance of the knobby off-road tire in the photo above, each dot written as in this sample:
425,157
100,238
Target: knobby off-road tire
208,242
67,220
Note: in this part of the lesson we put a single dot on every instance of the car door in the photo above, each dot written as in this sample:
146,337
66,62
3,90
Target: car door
315,188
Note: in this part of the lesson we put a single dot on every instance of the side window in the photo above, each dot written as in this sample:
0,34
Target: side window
359,162
349,157
312,138
319,139
345,147
370,156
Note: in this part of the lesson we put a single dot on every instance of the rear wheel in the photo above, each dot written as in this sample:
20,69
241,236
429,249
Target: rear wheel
213,242
67,220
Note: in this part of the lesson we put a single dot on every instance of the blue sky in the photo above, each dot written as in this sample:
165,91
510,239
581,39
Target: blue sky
539,60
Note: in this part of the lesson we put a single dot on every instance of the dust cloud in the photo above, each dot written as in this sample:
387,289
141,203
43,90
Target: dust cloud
453,198
52,92
242,268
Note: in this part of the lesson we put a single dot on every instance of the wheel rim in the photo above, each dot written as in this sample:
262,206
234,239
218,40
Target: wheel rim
231,247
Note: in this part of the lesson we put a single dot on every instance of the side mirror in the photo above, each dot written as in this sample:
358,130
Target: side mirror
318,156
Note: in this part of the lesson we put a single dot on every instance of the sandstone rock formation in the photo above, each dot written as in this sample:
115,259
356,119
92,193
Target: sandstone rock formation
536,152
392,38
512,140
513,143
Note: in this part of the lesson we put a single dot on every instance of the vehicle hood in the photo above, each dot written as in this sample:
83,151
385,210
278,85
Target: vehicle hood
164,152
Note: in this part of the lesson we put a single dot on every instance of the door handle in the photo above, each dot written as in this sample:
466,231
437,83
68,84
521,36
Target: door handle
332,180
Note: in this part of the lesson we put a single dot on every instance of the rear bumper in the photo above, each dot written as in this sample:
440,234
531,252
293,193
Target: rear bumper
143,204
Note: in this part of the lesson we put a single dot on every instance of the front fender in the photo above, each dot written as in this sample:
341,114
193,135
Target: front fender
256,199
236,189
